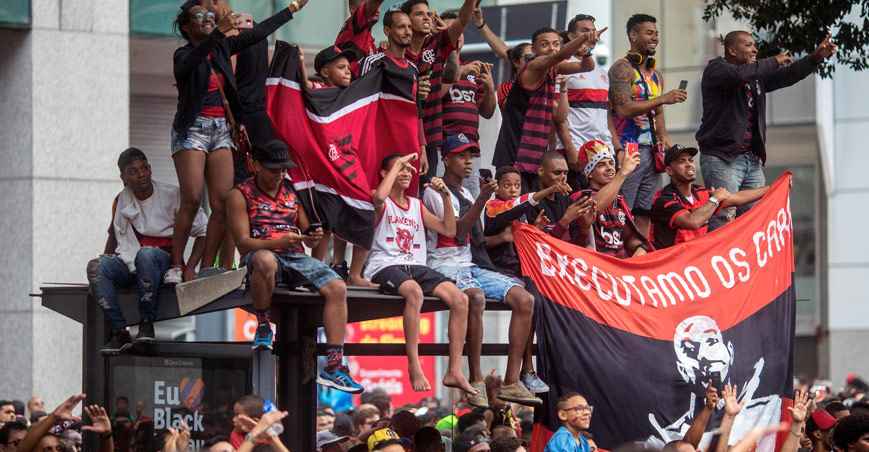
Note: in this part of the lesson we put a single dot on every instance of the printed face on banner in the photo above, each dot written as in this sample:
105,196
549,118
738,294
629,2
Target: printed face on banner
701,359
700,350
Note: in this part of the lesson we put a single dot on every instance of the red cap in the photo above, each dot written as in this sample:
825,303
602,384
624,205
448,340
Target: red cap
823,419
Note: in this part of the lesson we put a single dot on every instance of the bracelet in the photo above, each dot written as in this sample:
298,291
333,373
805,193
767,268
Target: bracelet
482,26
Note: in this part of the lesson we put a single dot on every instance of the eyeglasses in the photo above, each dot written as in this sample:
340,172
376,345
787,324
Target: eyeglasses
202,16
581,408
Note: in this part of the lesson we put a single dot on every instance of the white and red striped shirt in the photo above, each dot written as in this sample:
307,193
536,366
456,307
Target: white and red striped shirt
588,94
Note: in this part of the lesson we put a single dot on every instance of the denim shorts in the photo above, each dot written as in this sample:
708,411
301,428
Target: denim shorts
297,269
494,285
206,134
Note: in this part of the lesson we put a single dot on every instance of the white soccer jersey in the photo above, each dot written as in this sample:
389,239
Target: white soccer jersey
399,238
588,94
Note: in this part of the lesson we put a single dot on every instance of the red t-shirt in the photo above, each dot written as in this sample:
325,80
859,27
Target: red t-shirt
213,104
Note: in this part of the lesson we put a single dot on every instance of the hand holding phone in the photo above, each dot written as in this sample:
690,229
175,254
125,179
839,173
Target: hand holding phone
683,85
485,174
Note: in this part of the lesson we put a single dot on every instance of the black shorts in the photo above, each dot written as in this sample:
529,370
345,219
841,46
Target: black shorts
392,277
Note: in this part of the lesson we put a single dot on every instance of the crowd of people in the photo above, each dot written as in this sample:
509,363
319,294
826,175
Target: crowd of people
579,155
822,420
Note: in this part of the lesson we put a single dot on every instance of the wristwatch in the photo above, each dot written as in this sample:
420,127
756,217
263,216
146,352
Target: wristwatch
714,200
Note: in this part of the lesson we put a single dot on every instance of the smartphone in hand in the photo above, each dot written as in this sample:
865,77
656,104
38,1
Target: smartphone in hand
485,174
683,85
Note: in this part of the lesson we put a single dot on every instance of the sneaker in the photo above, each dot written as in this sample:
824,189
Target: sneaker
518,393
205,272
533,382
119,343
263,338
146,332
342,270
340,379
172,276
480,400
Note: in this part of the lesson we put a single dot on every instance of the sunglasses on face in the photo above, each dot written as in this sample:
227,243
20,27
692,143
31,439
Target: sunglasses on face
581,408
202,16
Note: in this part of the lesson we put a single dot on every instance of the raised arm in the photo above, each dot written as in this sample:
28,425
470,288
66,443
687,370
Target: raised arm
63,412
263,29
731,409
457,27
536,69
467,221
490,96
385,187
606,195
498,46
721,73
585,64
803,406
701,421
445,226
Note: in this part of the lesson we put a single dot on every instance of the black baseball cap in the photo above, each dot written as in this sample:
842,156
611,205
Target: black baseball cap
330,54
454,144
273,154
675,151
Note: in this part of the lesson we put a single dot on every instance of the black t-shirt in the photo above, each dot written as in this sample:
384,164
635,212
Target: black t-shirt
251,69
666,207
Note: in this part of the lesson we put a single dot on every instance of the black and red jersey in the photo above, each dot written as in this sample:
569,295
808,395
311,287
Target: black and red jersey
431,60
461,108
669,204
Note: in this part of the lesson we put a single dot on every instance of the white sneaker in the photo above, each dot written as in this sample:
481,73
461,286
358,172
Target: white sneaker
172,276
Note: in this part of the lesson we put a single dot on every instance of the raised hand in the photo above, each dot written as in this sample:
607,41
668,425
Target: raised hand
594,36
226,23
423,88
473,68
628,162
826,49
182,442
487,188
403,162
247,422
438,24
477,17
439,186
675,96
784,58
731,405
63,412
802,405
100,422
711,397
486,77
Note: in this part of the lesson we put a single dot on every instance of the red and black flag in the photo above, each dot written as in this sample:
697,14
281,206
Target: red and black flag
338,137
641,338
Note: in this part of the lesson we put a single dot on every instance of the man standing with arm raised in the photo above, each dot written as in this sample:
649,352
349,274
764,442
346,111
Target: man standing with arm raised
637,106
732,133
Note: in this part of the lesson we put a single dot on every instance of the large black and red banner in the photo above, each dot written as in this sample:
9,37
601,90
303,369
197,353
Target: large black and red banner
338,137
641,337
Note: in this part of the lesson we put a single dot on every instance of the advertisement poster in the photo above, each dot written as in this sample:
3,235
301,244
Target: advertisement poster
387,372
152,394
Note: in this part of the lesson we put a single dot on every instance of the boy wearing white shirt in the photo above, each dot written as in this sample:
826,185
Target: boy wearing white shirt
138,248
397,262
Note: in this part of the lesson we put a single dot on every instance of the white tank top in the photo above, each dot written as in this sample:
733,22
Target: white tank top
399,238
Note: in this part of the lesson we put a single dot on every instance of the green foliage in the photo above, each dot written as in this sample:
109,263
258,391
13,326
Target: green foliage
800,25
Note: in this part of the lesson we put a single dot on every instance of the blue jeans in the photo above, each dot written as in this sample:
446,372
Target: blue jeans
113,274
639,188
742,173
206,134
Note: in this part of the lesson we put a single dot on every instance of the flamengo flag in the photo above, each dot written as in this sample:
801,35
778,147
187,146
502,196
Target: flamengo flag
641,337
338,138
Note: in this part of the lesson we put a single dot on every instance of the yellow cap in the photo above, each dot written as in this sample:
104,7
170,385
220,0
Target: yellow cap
379,436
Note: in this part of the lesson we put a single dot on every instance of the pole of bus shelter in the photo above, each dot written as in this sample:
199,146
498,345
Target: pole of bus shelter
296,385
